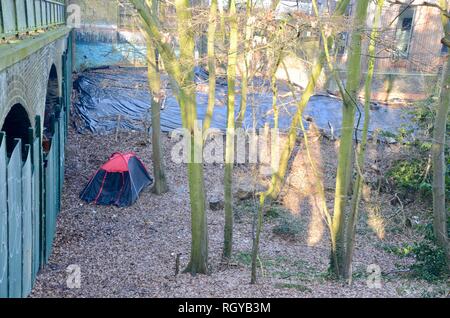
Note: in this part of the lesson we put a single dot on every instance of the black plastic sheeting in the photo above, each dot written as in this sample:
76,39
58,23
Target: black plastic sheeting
104,94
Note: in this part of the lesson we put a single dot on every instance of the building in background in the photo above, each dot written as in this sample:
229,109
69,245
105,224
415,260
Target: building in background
409,52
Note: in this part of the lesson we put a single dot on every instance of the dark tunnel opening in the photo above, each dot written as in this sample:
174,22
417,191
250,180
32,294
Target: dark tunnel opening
16,125
52,101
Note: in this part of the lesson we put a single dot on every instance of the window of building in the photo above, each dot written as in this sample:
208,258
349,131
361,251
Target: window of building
404,31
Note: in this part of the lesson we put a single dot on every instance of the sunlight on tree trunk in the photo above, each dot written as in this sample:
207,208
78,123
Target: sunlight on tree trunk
247,61
229,161
345,164
439,170
278,178
199,249
438,152
211,65
154,80
361,151
181,73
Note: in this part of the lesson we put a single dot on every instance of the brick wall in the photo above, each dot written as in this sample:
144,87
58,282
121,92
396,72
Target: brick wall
25,82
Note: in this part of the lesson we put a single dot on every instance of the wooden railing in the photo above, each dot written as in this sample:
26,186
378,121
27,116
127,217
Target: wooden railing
22,16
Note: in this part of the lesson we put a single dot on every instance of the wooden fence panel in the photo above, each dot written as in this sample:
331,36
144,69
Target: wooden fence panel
15,221
52,190
27,227
3,221
62,156
36,215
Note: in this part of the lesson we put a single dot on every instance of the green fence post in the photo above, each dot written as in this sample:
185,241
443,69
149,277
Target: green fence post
27,227
41,186
3,220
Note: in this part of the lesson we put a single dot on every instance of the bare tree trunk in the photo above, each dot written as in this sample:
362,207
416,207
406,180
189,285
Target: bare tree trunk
211,65
345,166
439,166
181,72
229,160
199,246
256,239
154,80
286,153
438,153
361,152
247,61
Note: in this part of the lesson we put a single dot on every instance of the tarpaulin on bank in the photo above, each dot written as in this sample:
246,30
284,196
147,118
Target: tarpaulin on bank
116,97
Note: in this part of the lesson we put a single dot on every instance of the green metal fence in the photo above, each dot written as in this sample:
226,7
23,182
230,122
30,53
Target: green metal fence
31,200
20,16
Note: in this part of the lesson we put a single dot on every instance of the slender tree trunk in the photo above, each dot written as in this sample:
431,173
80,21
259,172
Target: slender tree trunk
361,153
286,153
278,58
160,186
154,79
211,65
229,156
438,153
181,73
199,248
257,237
223,32
345,166
439,166
247,61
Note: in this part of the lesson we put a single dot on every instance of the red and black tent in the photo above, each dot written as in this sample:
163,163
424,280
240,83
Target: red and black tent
118,182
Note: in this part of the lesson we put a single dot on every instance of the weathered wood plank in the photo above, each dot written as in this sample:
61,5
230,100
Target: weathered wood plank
36,215
15,221
26,225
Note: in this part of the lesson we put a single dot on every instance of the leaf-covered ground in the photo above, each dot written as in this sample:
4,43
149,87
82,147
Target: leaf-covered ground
132,252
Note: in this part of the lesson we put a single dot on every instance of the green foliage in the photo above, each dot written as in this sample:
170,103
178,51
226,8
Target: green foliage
424,113
276,212
288,226
430,260
410,175
251,207
283,267
298,287
244,258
